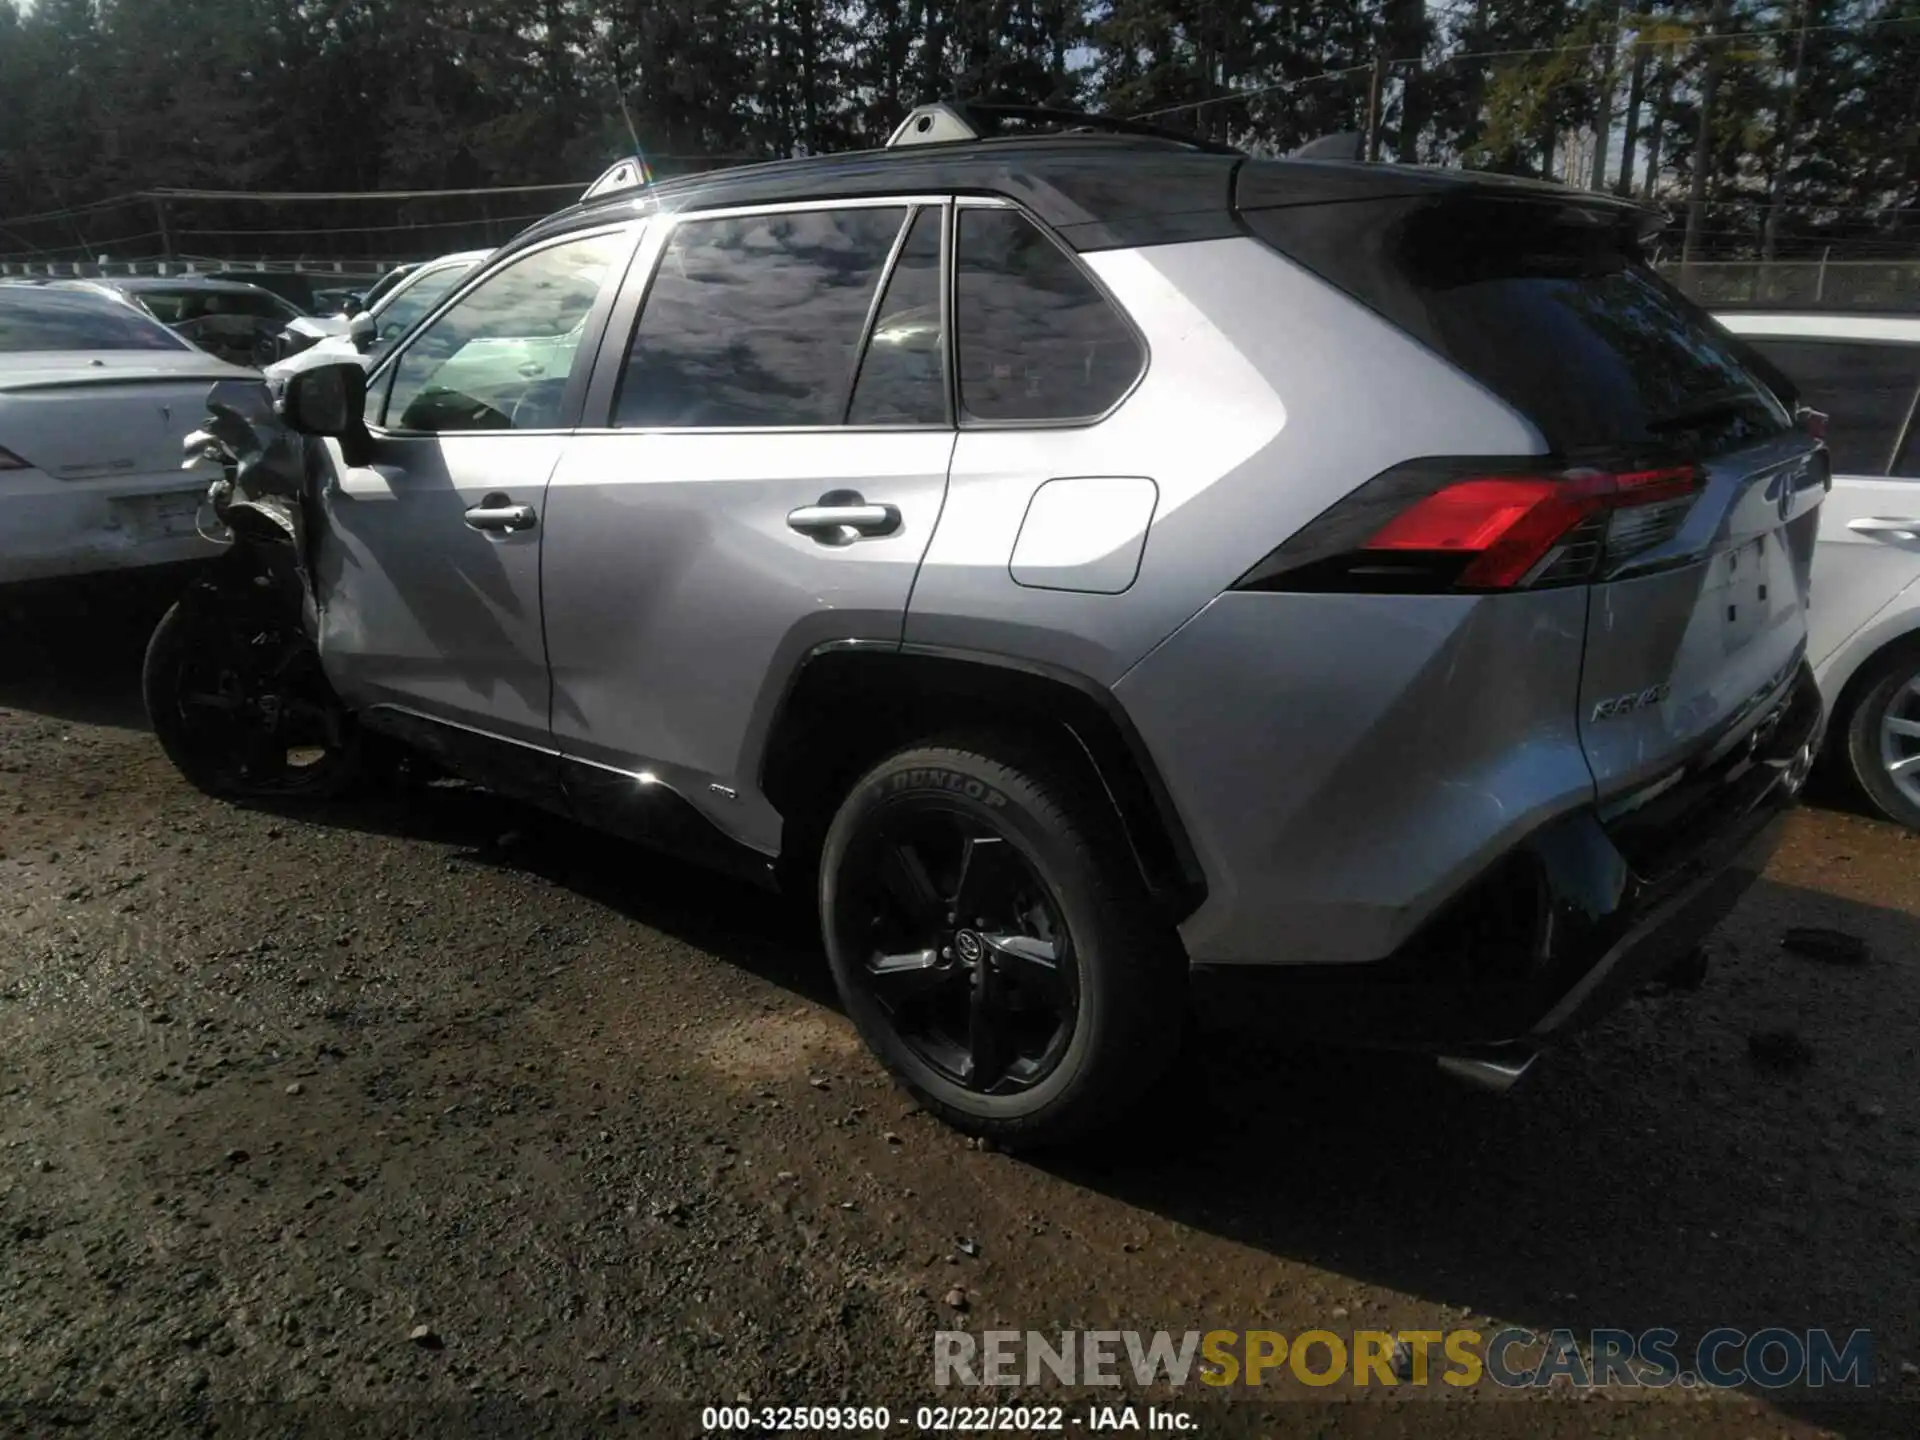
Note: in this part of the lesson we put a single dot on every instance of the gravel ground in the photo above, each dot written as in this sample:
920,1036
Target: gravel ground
432,1108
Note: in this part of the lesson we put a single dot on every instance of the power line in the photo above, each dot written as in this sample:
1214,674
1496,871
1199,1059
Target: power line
376,229
1237,95
1253,94
273,196
1668,42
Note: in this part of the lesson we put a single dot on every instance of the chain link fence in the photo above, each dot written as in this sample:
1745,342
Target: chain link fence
1884,285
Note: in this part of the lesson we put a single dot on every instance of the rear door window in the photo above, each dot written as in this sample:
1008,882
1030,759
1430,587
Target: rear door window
1864,388
1038,340
756,320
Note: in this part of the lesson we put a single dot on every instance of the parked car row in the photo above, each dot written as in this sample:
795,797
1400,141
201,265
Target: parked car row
387,311
96,399
101,381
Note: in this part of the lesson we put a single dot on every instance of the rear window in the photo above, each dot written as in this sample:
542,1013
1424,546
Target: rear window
1549,307
1866,391
176,307
36,320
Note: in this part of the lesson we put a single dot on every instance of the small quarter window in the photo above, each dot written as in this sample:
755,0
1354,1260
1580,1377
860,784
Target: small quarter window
1038,339
903,375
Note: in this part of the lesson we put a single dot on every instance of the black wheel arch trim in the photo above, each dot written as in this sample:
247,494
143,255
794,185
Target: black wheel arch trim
1155,834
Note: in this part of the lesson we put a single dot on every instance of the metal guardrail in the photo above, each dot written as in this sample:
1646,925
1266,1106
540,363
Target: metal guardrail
1801,284
1789,284
347,270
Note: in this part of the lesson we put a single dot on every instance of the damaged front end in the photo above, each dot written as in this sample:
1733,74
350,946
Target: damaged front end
233,679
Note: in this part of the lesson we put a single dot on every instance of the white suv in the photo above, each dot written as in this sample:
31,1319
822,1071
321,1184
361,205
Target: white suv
1863,636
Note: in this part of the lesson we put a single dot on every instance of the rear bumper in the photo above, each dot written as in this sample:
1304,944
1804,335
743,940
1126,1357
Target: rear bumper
53,528
1565,925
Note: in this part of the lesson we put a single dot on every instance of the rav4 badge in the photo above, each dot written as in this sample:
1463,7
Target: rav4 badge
1620,705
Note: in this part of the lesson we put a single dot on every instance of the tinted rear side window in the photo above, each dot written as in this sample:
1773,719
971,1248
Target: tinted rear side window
1038,339
756,320
33,320
1549,307
1865,390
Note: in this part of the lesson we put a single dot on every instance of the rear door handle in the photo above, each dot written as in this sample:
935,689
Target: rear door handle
841,516
499,514
1898,525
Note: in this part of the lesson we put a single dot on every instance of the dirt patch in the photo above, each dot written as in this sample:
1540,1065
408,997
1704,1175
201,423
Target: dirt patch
792,1044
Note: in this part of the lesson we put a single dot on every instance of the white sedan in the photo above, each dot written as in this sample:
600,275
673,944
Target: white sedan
96,398
1863,372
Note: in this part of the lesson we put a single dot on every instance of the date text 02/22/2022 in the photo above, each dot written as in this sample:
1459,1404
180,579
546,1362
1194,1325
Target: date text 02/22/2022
942,1419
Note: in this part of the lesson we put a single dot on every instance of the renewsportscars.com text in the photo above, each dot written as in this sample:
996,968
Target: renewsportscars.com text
1774,1358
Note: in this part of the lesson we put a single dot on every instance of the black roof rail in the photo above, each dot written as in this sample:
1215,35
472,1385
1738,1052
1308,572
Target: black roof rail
953,121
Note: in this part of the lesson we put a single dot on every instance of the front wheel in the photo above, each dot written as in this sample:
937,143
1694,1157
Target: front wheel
241,708
994,944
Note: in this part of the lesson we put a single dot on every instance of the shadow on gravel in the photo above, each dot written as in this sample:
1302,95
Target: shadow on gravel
1652,1175
772,936
72,648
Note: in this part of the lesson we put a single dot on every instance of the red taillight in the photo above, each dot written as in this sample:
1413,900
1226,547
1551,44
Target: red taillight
11,461
1510,523
1436,525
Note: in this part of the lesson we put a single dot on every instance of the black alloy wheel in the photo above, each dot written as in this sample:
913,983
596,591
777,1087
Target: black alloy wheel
966,951
243,709
993,940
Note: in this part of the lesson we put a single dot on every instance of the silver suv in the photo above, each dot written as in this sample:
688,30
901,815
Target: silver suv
1114,575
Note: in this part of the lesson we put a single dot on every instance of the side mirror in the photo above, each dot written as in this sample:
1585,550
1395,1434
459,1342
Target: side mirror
363,331
327,400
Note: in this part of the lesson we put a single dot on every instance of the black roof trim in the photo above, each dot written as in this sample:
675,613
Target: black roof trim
1097,191
1300,180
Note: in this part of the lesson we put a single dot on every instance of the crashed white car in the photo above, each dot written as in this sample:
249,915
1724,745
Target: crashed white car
391,314
96,398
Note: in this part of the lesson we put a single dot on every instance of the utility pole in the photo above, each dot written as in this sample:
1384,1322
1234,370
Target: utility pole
1770,233
1636,98
1703,135
1603,110
166,231
1376,86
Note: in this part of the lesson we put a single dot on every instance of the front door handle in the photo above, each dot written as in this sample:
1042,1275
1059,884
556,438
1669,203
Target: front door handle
842,516
1896,525
498,513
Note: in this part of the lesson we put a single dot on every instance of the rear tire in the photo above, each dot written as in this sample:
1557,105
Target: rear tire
994,944
1882,727
241,707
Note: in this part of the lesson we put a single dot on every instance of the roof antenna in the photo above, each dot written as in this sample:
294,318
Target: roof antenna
620,97
623,174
